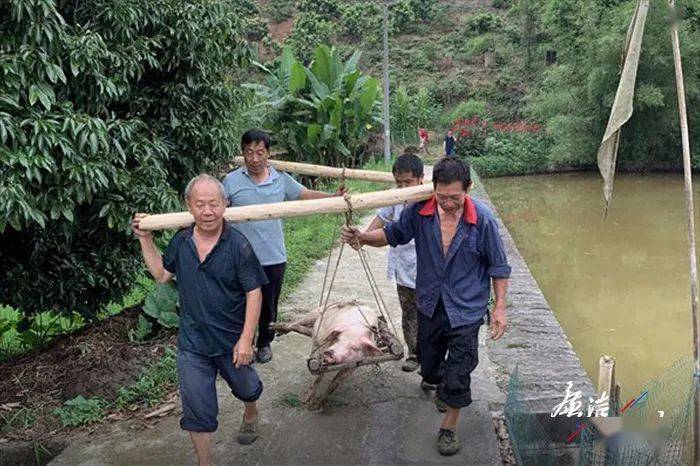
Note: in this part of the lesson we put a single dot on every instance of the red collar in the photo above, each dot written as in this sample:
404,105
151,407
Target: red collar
469,209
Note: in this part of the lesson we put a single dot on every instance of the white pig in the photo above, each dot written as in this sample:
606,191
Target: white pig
345,331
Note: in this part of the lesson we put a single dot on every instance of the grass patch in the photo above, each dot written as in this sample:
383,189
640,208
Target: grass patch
152,386
80,411
22,418
290,400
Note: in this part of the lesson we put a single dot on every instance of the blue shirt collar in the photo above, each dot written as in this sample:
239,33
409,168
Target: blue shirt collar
273,175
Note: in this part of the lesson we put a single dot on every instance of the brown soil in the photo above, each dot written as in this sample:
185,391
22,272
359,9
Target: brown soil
280,31
94,361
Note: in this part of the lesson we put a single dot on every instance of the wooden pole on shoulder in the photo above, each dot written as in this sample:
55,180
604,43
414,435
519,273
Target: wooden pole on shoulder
326,172
290,209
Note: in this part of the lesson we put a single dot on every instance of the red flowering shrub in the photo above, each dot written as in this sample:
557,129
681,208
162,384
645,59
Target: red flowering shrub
472,132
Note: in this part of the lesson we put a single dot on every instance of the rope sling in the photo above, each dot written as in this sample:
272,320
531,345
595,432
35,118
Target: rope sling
386,341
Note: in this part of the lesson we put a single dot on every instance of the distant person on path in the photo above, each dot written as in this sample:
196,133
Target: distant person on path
218,279
424,140
460,256
401,260
259,183
449,145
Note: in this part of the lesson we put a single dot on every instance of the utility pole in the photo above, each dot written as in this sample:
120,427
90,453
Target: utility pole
387,130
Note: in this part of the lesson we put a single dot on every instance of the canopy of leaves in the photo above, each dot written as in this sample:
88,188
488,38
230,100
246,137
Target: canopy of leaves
574,97
106,108
323,112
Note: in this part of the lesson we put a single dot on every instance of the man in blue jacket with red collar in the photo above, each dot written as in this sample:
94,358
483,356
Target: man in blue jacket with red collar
460,255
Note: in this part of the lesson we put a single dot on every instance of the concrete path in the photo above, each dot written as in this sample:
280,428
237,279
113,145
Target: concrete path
379,415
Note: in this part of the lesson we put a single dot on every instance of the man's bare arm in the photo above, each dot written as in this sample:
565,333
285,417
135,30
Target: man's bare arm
375,224
498,314
243,350
357,239
151,255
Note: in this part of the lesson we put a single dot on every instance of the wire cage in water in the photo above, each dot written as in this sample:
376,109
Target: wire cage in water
657,428
532,446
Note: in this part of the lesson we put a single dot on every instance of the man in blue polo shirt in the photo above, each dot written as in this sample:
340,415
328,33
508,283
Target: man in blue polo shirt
219,279
260,183
459,256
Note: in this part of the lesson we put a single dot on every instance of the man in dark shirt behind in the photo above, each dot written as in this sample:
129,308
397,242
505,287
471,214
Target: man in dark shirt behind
459,256
219,279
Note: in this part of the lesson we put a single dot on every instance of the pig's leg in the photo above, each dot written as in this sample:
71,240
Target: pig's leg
303,324
314,397
338,379
310,393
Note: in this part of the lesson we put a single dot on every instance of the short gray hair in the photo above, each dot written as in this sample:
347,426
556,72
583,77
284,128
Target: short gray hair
205,177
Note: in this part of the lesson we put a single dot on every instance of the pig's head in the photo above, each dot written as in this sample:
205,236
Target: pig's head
350,347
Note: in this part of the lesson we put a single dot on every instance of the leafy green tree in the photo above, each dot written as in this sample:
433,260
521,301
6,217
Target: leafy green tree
321,113
106,108
575,97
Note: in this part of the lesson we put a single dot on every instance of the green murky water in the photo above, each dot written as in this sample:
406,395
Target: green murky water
618,287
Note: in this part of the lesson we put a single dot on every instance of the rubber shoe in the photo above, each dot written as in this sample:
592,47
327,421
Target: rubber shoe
264,355
447,442
440,405
410,365
427,386
248,433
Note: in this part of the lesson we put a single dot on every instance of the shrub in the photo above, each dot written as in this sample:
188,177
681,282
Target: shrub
468,109
482,23
423,9
106,108
310,31
402,18
327,9
471,136
79,411
513,153
280,10
362,19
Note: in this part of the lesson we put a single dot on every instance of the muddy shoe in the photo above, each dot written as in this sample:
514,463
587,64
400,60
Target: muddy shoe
410,365
264,355
248,433
440,405
447,442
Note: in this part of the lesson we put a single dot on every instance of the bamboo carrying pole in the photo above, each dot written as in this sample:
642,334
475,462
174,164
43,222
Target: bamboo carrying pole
324,171
685,140
289,209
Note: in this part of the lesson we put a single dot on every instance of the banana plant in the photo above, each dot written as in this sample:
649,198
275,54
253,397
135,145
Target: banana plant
324,112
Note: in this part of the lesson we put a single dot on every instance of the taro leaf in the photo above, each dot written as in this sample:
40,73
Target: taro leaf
163,300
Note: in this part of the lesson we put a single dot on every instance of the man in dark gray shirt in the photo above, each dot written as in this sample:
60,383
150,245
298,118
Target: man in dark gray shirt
219,279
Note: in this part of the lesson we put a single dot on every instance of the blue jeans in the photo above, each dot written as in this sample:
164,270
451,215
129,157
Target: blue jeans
197,375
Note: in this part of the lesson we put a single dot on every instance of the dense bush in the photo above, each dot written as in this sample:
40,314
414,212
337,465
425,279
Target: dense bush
362,20
467,109
321,113
513,153
327,9
279,10
424,9
482,23
402,17
411,109
106,108
310,31
500,3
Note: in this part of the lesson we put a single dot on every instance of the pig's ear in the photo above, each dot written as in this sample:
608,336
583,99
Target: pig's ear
369,347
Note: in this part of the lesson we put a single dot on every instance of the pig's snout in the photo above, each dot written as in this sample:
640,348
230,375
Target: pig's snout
329,356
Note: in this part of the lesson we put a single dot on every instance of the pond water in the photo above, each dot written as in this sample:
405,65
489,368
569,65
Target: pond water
619,286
